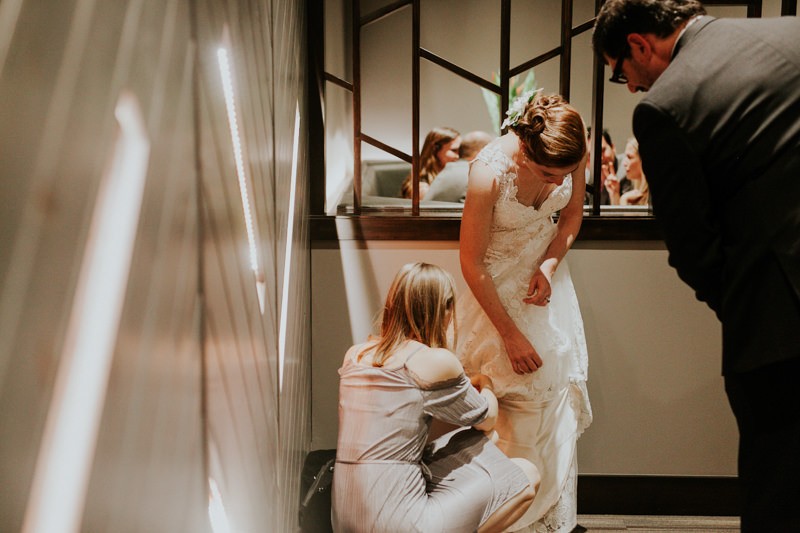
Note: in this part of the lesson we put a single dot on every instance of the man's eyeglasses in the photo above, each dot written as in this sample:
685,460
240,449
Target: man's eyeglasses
618,76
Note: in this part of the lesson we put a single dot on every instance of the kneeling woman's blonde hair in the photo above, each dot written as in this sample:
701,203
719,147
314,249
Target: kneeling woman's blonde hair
418,307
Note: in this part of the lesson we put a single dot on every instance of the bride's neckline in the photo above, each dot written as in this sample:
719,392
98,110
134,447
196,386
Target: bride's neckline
513,170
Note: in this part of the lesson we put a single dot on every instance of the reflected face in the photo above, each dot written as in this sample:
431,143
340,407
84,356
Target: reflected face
633,163
608,154
449,152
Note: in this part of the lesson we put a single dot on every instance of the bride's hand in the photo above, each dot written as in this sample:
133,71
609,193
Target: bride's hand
539,289
522,355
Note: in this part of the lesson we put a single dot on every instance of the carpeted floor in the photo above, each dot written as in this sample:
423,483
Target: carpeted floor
653,524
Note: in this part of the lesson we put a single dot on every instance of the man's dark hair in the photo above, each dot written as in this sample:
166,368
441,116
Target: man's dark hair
619,18
607,137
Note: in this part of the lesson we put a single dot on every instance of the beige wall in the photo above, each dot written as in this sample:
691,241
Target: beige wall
654,351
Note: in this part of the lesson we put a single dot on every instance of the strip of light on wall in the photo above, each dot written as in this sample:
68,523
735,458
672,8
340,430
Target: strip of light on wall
9,15
238,155
216,509
287,261
65,457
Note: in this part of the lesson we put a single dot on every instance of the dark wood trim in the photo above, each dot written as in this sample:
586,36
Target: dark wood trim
505,58
581,28
566,48
538,60
598,94
384,11
415,95
386,148
455,69
659,495
754,9
753,6
316,104
789,8
338,81
446,227
356,21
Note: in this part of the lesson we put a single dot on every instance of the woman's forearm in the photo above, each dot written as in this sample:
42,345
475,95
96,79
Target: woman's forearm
568,226
480,283
488,423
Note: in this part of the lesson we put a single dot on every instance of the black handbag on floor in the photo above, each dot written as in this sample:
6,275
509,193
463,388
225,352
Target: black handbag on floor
315,492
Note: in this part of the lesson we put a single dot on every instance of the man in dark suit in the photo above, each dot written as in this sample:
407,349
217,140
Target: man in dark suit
719,138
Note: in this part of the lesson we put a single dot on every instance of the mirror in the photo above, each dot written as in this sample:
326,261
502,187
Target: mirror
467,34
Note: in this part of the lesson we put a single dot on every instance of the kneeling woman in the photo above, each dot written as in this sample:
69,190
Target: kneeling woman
386,478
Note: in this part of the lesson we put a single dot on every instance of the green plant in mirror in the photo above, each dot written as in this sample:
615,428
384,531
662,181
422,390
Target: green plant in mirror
515,89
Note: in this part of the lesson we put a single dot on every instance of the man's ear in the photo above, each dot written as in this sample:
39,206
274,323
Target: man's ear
641,47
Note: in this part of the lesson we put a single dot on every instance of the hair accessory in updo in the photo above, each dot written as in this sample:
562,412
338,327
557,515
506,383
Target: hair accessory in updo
517,108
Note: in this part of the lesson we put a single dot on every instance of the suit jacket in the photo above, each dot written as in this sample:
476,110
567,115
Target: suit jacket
719,138
450,185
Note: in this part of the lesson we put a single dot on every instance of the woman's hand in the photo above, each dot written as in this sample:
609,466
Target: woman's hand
611,183
521,354
539,289
632,197
481,381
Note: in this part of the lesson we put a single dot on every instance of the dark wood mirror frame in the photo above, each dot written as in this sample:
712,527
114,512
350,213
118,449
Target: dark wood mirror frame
376,224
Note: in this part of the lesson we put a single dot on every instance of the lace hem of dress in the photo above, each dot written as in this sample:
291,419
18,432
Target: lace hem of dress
563,516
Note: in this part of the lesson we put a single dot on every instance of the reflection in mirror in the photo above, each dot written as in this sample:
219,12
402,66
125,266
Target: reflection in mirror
449,100
338,147
582,11
381,182
368,7
381,178
466,35
337,31
463,32
535,29
439,149
618,105
386,83
580,87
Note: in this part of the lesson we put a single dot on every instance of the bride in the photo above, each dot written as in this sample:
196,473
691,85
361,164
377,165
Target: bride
521,324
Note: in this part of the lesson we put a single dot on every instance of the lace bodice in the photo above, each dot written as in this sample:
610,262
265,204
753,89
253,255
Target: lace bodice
519,238
515,225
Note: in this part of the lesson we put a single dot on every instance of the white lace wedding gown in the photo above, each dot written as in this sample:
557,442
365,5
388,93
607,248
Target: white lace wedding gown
541,414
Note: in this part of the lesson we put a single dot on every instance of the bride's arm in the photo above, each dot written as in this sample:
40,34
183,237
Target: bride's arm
476,222
569,222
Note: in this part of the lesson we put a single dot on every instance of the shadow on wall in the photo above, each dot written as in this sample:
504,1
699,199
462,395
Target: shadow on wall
331,318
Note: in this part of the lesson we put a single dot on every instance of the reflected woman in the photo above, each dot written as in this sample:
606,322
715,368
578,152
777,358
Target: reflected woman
521,324
440,147
639,194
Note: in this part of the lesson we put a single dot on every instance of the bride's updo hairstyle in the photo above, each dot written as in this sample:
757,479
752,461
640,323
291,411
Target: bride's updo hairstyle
416,308
551,131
